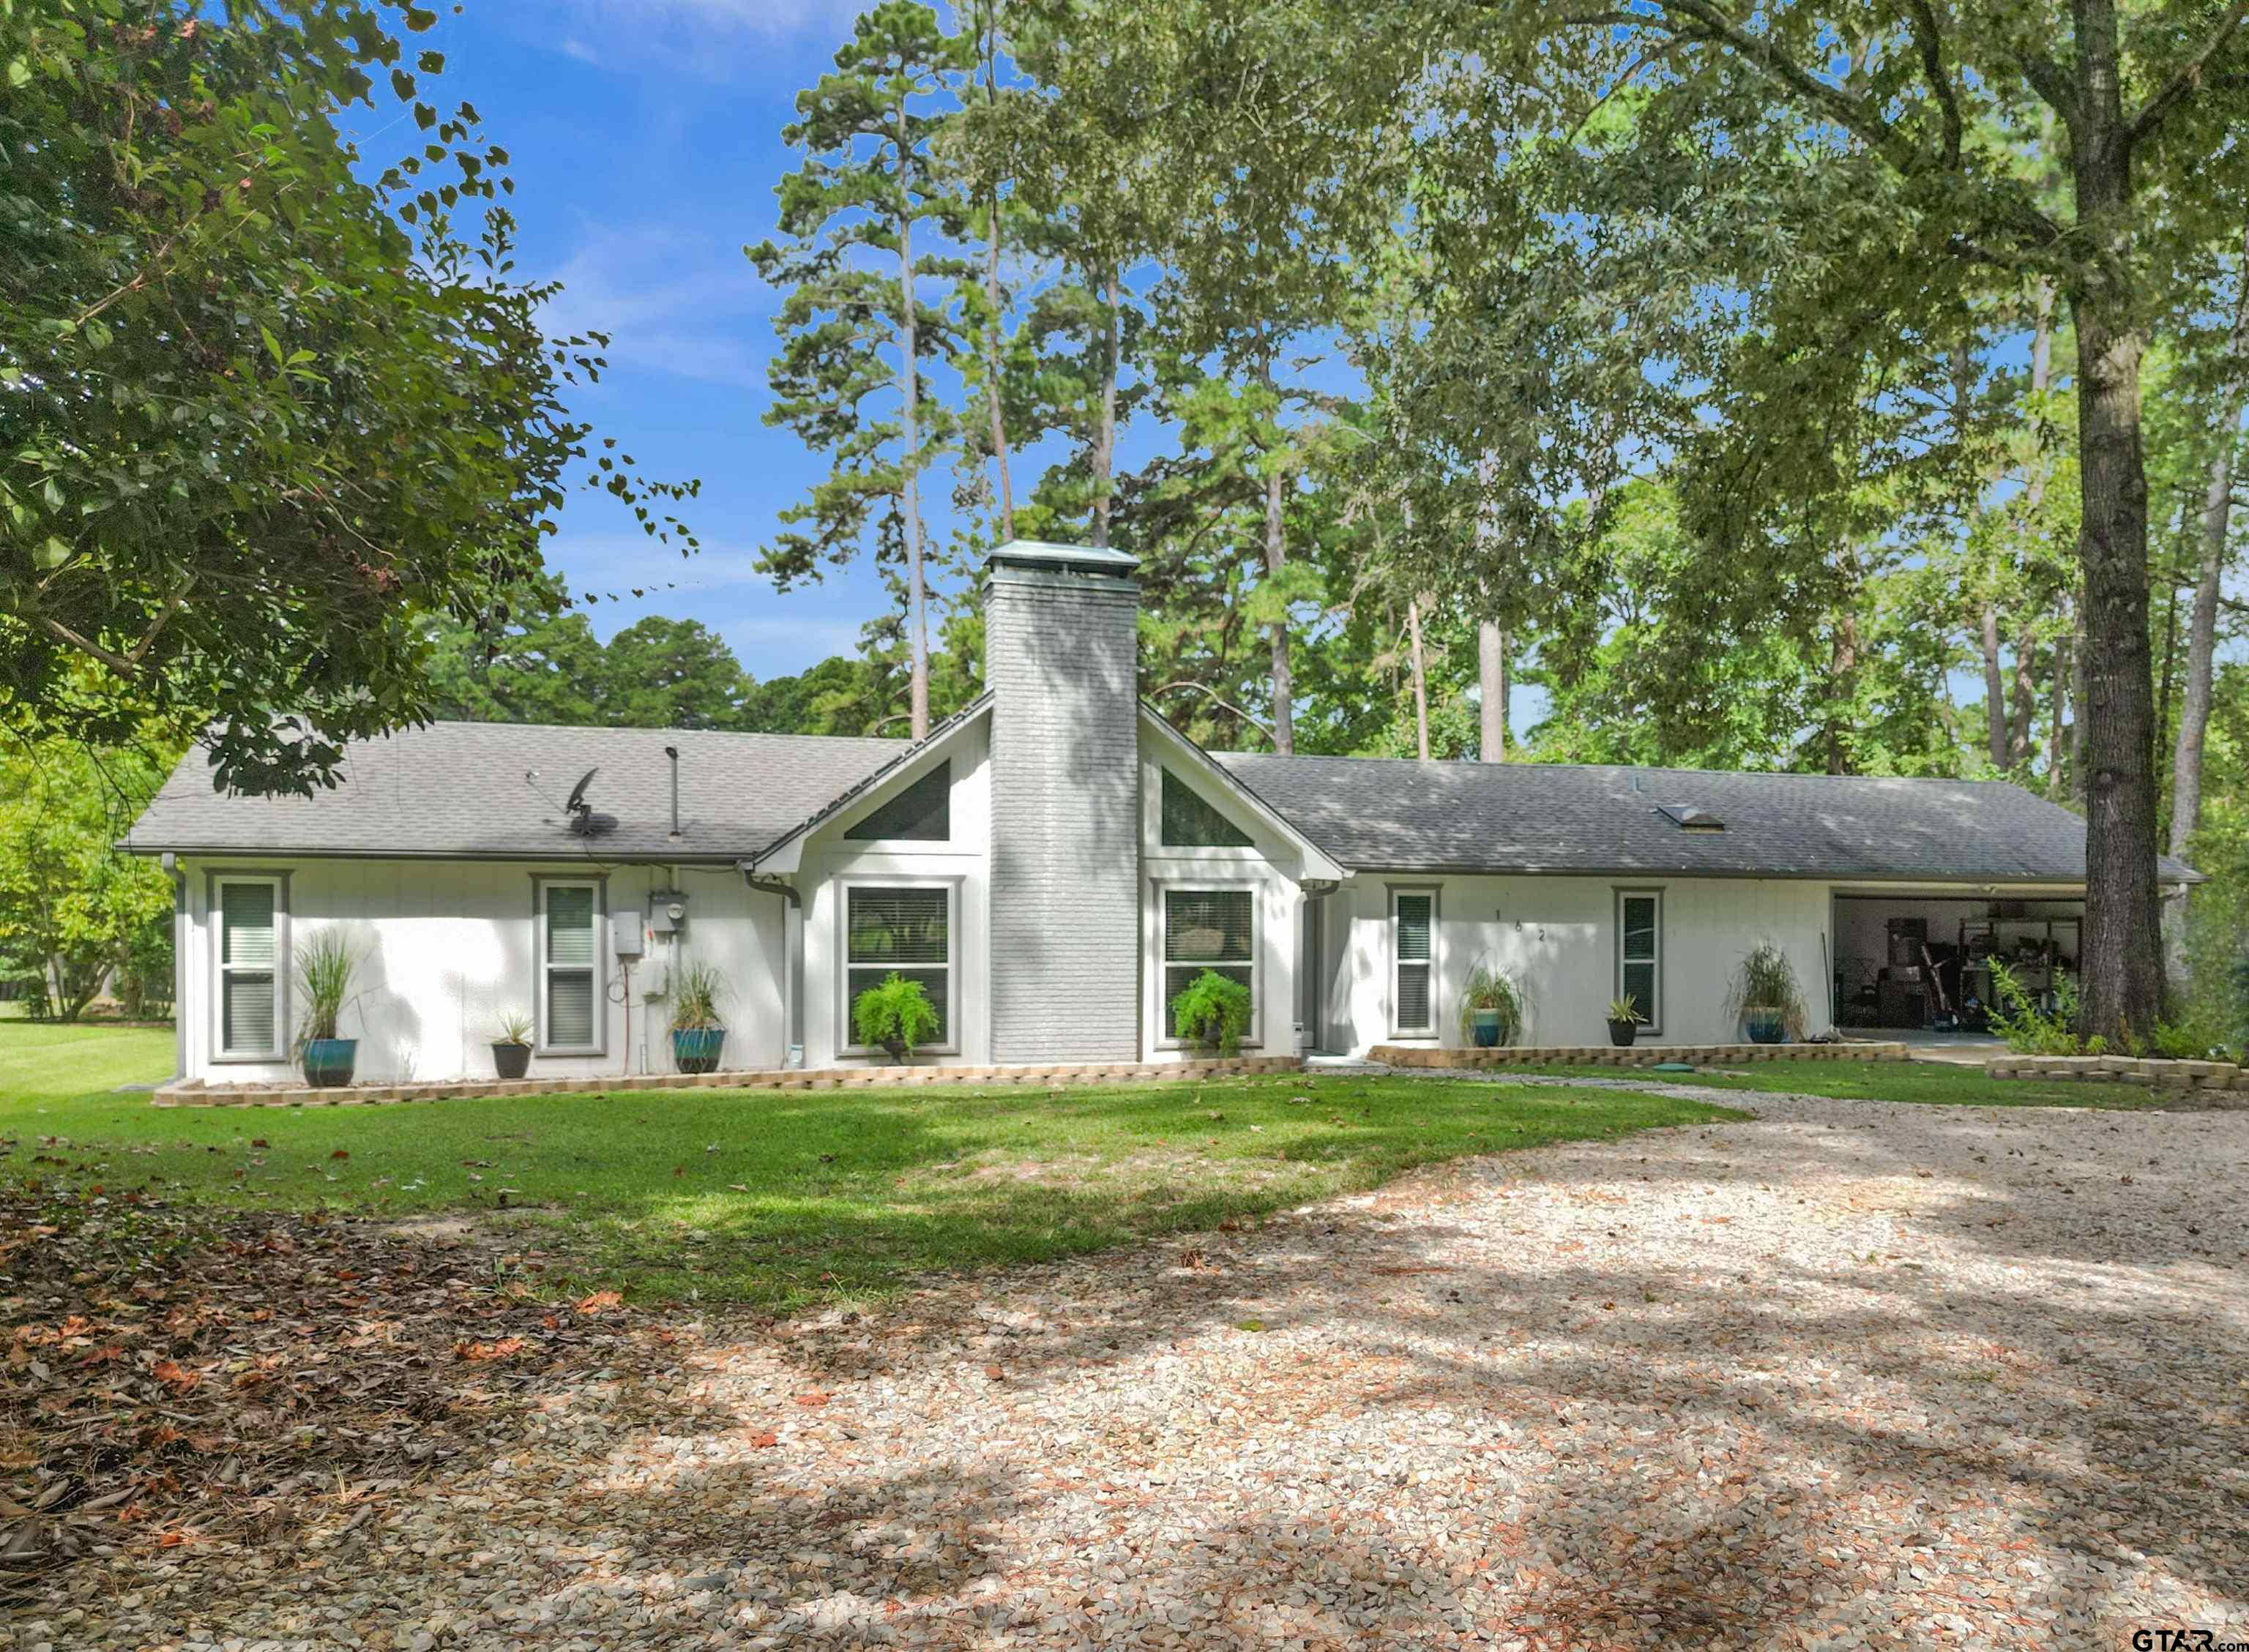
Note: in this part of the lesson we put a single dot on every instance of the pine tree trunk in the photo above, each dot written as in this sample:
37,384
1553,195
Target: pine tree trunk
1104,432
2023,711
1420,678
992,371
1995,692
2202,629
1491,685
2057,768
2122,964
910,459
1276,559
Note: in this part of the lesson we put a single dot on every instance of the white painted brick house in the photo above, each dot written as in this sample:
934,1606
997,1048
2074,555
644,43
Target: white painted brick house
1052,863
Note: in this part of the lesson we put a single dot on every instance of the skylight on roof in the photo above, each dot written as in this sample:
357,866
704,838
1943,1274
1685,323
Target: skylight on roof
1688,819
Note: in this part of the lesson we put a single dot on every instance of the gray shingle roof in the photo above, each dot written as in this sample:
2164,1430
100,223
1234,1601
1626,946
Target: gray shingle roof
458,789
1399,815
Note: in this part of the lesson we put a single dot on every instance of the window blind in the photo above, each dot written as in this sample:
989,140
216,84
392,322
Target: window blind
249,950
572,950
1416,925
907,932
1208,929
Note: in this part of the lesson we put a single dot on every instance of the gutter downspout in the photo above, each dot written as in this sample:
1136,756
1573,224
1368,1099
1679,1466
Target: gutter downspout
170,863
795,898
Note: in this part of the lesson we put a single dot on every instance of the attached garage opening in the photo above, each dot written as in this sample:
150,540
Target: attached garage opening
1922,962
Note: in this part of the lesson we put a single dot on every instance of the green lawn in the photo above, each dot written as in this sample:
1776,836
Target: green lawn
779,1198
1935,1082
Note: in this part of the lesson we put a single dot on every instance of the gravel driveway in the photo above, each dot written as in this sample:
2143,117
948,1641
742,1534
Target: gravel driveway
1855,1375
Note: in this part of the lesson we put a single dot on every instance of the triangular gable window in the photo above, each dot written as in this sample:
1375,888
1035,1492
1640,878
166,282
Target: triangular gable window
921,813
1191,823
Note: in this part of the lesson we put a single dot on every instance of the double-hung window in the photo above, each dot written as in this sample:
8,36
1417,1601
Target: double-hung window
1210,929
1413,962
1640,954
570,987
252,920
903,929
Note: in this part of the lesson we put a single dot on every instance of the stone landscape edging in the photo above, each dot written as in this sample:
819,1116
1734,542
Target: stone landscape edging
192,1094
2120,1069
1506,1055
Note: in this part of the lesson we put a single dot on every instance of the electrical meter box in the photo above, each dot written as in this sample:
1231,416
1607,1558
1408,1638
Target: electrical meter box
628,933
667,911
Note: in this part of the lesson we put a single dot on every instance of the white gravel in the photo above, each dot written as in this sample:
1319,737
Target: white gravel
1855,1375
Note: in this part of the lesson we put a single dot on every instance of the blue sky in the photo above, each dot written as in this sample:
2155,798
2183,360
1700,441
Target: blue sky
645,138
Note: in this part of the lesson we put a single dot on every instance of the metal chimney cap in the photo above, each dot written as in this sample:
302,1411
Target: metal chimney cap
1075,558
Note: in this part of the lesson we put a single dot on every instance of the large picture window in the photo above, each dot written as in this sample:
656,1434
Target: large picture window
251,967
906,930
1210,930
1640,954
1414,960
570,967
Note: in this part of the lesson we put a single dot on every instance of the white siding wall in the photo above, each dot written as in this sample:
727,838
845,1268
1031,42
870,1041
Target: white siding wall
1558,936
446,948
831,862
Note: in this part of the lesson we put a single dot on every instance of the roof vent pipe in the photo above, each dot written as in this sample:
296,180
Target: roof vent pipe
672,752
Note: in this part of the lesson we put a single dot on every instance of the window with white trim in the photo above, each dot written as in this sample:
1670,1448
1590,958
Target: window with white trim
1640,954
251,983
570,996
921,813
1414,960
900,929
1213,928
1192,821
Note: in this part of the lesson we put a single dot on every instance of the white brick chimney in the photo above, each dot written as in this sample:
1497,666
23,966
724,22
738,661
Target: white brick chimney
1061,654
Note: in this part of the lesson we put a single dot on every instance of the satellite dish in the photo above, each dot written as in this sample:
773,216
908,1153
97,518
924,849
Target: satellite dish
577,802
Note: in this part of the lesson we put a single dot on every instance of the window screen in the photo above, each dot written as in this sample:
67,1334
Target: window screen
1190,823
1208,929
1415,917
572,959
1640,955
921,813
907,932
248,957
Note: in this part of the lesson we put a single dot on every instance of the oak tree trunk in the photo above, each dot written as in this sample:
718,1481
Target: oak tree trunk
2123,962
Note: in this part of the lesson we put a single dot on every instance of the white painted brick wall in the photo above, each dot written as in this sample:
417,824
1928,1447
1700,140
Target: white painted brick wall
1060,660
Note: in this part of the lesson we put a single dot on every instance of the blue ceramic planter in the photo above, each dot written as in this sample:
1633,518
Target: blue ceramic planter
696,1049
329,1062
1487,1026
1766,1026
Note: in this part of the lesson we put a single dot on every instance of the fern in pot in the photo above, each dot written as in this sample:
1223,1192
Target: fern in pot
1213,1010
699,1032
1492,1007
324,969
895,1016
1766,999
511,1050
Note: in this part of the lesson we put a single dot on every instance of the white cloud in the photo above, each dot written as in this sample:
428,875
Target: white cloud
692,35
670,303
620,563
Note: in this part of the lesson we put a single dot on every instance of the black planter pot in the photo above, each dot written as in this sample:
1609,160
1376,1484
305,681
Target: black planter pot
511,1060
1624,1033
897,1048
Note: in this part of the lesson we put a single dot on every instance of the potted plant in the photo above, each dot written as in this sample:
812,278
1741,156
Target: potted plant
698,1032
1766,998
1213,1010
511,1050
1624,1021
324,967
1492,1007
896,1015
